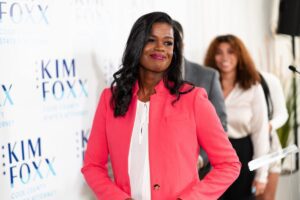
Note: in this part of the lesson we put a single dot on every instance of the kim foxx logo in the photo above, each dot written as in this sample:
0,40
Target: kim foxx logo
58,79
25,11
24,162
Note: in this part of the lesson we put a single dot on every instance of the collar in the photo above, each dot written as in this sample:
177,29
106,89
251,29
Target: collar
160,88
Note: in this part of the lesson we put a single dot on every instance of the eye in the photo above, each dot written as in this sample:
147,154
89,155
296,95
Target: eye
169,43
218,52
151,40
231,51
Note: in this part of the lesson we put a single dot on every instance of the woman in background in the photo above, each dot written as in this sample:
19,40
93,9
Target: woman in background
152,124
246,112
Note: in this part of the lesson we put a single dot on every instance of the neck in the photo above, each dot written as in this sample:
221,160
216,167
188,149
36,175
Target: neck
147,83
228,78
228,81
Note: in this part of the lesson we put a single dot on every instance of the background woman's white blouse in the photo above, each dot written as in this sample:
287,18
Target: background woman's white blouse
247,115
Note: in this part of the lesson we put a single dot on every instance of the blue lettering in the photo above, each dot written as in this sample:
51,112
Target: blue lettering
11,153
55,91
43,12
57,68
23,12
26,171
7,94
29,171
69,70
83,152
25,179
22,150
35,150
12,176
84,138
71,87
44,89
65,69
1,10
30,13
59,88
62,68
83,89
45,70
31,150
12,12
36,167
50,166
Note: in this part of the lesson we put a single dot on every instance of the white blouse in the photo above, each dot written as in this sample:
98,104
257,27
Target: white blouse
138,160
280,114
247,115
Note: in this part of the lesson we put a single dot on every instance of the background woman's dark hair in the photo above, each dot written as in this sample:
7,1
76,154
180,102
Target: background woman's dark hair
126,77
247,74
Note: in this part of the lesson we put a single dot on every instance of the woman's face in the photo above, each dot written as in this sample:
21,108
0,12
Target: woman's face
225,58
158,51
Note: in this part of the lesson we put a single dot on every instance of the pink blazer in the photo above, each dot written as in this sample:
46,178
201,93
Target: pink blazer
176,133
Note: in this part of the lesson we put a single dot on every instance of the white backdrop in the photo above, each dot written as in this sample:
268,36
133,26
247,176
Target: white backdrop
57,55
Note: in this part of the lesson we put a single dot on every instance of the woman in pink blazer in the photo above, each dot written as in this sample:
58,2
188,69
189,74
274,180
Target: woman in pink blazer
152,125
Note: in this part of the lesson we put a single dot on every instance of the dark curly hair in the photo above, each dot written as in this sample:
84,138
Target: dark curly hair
127,75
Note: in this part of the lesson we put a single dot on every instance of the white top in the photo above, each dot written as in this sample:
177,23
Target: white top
138,160
247,115
280,114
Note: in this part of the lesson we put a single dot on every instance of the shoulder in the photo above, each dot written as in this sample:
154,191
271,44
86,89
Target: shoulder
105,95
267,75
270,78
106,91
201,68
209,70
256,90
250,92
195,92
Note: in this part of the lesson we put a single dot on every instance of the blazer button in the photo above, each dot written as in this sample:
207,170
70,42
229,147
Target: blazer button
156,187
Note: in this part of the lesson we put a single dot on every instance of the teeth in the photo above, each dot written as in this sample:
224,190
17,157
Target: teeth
225,63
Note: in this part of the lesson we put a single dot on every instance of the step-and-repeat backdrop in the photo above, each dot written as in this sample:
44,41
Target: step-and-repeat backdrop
56,56
50,80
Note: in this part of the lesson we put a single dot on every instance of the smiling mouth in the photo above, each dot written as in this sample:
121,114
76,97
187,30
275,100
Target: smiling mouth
225,64
158,57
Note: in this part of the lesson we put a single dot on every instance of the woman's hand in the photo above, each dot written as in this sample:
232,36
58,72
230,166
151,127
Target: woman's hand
259,187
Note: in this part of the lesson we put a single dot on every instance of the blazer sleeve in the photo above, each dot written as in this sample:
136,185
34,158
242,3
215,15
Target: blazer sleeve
217,99
96,156
280,114
223,158
259,131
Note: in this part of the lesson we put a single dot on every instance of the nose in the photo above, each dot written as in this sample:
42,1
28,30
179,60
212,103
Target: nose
159,46
224,56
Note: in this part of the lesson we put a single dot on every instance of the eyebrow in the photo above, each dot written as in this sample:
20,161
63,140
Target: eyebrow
165,37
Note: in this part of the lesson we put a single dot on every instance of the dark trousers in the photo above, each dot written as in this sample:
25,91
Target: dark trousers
241,188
